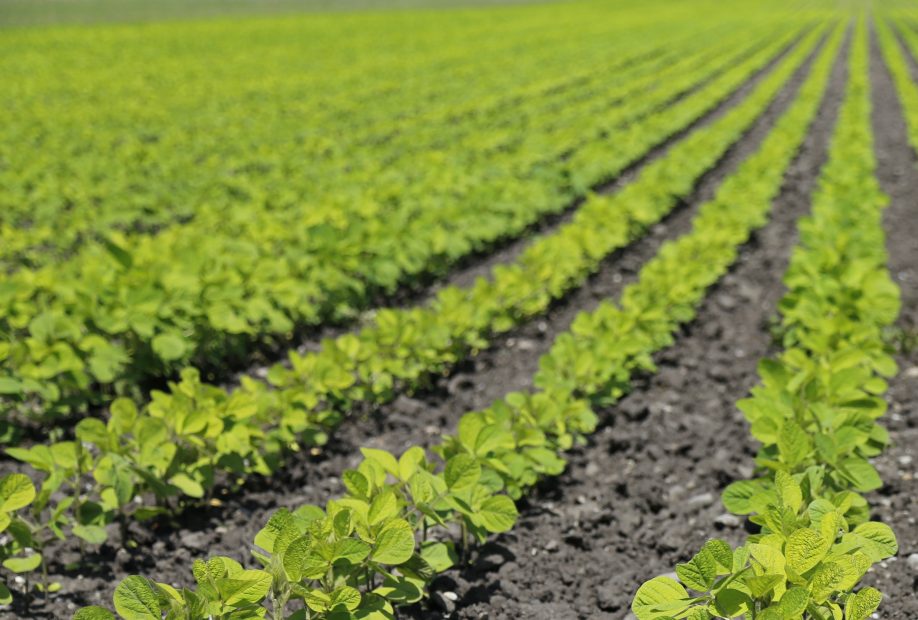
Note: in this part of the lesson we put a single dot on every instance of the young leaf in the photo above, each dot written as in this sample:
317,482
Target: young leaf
135,599
395,543
805,549
860,605
497,514
93,613
660,598
462,471
16,491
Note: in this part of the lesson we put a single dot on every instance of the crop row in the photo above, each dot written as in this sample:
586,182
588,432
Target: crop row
815,413
181,442
361,555
191,294
898,65
412,111
405,96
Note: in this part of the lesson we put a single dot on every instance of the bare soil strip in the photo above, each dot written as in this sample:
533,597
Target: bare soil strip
897,502
164,551
644,494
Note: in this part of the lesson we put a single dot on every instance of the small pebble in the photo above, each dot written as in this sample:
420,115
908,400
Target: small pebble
728,520
702,499
444,602
912,562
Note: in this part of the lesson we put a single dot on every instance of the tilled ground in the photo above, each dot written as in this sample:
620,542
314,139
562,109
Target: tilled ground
643,494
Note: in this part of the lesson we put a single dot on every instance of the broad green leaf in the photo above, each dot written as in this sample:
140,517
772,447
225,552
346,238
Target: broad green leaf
10,386
863,603
497,514
788,490
187,485
135,599
700,572
169,346
805,549
761,585
876,540
793,444
249,586
93,613
346,597
383,507
356,483
794,602
732,602
383,458
862,475
394,543
462,471
826,580
736,497
409,462
439,556
351,550
6,597
23,565
659,598
16,491
93,534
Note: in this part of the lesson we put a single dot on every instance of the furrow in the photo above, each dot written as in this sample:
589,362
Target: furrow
897,502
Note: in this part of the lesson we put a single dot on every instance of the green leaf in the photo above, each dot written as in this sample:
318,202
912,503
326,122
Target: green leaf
805,549
731,602
16,491
659,598
93,613
462,471
862,475
135,599
10,386
763,584
356,483
23,565
439,556
93,534
794,602
346,597
793,444
736,497
383,458
860,605
6,597
497,514
351,550
187,485
700,572
395,543
169,346
383,507
876,540
788,490
249,586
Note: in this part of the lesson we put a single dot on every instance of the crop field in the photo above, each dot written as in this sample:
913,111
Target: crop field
422,309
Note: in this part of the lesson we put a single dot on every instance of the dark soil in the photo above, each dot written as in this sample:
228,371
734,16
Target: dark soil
164,552
897,502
